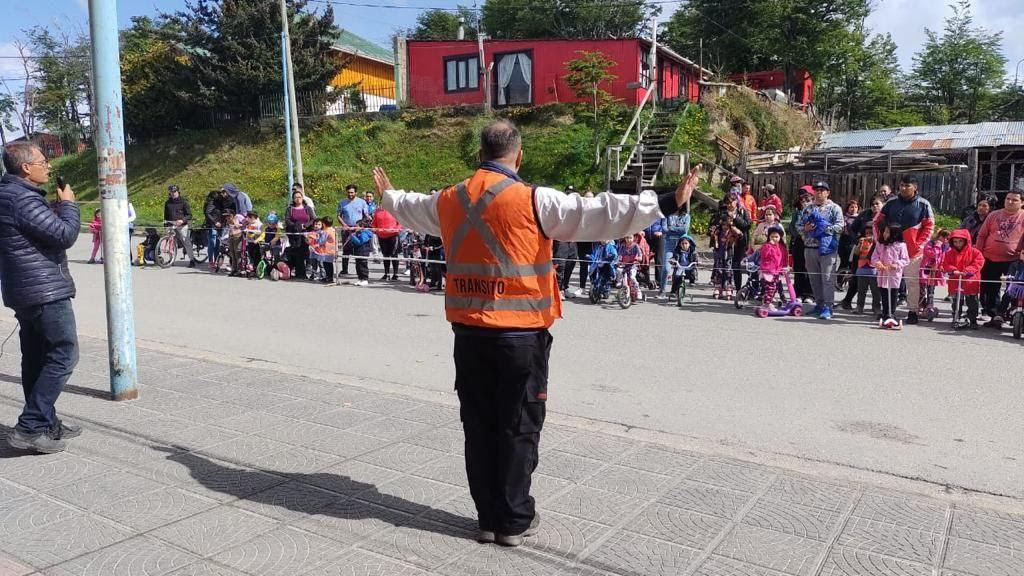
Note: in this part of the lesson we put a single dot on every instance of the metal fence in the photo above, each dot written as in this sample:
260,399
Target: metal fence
336,101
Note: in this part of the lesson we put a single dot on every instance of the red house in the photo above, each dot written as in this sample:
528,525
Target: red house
801,83
532,72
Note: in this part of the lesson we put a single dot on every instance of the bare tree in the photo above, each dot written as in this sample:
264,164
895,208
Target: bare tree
26,113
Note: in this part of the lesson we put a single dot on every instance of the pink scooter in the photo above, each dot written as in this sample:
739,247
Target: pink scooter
792,307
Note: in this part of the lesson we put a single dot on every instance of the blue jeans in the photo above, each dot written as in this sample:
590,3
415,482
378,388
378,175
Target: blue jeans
666,268
49,352
213,245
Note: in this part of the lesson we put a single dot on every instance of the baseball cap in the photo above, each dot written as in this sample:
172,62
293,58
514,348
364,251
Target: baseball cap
821,184
735,180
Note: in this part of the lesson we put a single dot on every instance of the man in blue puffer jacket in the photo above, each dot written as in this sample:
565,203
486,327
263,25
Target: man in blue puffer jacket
37,285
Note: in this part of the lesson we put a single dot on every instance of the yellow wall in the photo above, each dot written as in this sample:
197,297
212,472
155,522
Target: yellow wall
372,74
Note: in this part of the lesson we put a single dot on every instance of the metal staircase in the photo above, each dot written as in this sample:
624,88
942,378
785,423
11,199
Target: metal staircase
646,152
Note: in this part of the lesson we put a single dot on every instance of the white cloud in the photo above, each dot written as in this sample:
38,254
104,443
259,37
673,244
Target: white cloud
906,20
83,4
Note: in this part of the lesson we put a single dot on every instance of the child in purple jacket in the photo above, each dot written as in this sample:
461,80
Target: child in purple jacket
889,259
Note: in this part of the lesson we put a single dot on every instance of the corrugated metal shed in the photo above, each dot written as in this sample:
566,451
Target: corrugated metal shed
984,135
858,138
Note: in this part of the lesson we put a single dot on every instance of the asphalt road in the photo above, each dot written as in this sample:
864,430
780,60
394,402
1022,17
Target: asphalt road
924,403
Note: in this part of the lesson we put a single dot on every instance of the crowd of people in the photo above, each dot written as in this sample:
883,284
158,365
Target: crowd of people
888,250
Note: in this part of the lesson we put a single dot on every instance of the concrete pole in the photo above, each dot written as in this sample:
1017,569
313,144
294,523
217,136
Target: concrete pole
113,185
296,137
287,114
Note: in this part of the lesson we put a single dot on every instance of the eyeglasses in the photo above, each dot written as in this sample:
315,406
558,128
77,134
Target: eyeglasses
43,162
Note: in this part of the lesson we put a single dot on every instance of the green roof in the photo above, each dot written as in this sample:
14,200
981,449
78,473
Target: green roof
349,43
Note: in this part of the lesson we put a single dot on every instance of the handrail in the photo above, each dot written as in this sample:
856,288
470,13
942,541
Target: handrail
636,116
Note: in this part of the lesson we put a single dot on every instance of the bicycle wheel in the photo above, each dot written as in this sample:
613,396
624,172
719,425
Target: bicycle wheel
166,250
623,296
681,295
261,270
199,252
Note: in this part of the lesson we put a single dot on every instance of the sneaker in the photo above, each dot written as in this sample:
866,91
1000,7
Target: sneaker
846,305
517,539
363,283
889,323
91,261
580,293
394,277
42,443
859,310
897,325
385,278
191,263
995,322
826,313
485,537
816,311
66,430
566,294
912,318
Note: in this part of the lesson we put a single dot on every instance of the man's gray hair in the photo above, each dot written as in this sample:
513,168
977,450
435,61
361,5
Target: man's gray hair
18,153
499,139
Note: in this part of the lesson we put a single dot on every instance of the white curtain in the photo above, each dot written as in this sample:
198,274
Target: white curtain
505,68
526,65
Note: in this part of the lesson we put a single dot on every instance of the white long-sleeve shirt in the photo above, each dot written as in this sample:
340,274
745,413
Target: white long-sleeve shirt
565,217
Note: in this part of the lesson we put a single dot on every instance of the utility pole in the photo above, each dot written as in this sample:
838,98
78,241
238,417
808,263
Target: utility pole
296,137
484,70
113,185
287,113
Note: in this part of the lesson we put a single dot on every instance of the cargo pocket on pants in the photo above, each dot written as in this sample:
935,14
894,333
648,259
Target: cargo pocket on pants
531,420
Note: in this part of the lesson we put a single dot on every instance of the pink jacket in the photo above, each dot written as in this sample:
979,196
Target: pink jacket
773,258
895,255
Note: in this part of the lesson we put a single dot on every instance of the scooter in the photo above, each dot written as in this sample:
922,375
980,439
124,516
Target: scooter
792,306
1016,314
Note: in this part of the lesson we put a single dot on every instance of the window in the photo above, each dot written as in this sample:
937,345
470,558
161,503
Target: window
645,69
462,73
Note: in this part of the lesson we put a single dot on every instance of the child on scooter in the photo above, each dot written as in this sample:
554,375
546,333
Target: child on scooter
963,264
773,256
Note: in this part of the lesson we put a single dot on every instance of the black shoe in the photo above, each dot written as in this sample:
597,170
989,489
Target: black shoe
394,278
385,278
911,318
191,263
65,430
234,275
846,305
42,443
485,537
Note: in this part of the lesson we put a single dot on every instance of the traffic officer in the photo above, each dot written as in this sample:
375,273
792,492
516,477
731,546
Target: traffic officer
501,297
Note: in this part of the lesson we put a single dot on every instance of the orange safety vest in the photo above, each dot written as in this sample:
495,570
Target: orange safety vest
500,273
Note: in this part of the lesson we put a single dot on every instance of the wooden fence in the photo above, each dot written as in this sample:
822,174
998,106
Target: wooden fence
949,192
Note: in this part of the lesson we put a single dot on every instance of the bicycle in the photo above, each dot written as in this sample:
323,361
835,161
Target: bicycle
168,245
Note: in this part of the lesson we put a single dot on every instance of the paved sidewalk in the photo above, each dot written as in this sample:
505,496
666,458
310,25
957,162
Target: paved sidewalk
220,470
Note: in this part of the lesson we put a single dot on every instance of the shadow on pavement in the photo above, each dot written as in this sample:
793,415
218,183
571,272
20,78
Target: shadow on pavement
210,474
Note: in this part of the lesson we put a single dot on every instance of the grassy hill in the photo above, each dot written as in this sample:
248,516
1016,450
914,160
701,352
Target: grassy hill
419,149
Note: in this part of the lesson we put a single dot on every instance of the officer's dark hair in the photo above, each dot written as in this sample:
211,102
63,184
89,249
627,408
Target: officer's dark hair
18,153
499,139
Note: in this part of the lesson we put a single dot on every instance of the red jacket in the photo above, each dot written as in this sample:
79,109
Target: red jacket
968,261
384,224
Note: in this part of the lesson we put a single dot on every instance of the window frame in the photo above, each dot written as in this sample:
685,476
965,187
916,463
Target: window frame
460,58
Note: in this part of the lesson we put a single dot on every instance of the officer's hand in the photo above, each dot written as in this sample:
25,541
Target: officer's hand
380,178
66,194
685,189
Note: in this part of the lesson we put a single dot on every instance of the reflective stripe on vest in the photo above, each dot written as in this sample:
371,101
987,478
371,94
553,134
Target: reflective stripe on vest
505,304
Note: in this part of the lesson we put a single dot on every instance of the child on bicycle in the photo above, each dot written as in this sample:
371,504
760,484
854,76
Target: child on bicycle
683,255
96,228
932,255
254,236
631,257
234,226
723,238
1014,291
323,247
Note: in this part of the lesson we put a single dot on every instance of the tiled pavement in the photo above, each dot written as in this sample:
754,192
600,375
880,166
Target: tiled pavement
219,470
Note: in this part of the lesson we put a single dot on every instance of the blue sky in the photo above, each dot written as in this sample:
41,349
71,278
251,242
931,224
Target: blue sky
904,19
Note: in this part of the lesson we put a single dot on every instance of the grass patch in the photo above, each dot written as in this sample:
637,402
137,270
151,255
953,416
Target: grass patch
420,150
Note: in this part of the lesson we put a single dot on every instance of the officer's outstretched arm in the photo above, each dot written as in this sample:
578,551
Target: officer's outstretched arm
415,211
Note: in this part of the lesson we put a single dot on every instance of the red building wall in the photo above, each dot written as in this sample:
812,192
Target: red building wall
803,84
426,74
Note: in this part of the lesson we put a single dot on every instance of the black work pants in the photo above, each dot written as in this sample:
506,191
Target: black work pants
346,250
990,285
298,252
49,353
362,255
502,386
